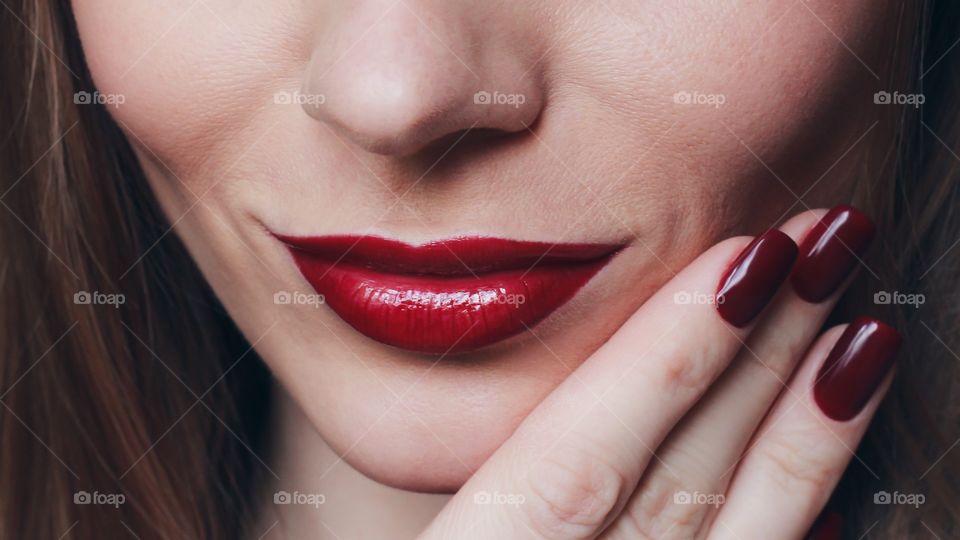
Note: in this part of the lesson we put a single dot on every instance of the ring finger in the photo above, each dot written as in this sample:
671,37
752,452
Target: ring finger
685,486
809,438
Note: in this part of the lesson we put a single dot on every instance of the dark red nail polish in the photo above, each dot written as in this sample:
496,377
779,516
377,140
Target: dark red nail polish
830,251
828,527
855,367
754,277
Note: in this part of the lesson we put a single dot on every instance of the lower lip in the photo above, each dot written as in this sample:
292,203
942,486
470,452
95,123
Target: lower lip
445,297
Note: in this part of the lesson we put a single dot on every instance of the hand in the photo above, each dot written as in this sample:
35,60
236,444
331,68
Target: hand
684,425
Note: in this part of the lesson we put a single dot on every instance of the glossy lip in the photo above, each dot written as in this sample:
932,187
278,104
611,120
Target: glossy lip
448,296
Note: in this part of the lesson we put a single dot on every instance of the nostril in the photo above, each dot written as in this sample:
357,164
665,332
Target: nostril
473,139
404,122
466,141
447,155
390,135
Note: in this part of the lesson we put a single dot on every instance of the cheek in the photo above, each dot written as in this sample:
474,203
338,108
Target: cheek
193,75
722,91
796,69
761,80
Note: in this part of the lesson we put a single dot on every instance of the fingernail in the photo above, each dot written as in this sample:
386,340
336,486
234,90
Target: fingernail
754,277
828,527
855,367
830,251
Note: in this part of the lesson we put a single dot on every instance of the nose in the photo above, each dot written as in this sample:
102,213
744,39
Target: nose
397,77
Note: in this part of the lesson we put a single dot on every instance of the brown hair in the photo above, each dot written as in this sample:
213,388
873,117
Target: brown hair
97,400
910,446
133,400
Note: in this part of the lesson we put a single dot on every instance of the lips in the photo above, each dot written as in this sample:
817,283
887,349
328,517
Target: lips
444,297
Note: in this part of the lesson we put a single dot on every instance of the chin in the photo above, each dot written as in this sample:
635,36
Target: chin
417,463
434,451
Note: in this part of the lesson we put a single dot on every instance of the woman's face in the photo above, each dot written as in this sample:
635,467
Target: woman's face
646,129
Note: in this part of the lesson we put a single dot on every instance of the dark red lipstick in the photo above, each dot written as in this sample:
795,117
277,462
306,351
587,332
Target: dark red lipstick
448,296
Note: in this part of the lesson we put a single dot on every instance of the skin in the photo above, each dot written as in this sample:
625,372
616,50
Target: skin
600,151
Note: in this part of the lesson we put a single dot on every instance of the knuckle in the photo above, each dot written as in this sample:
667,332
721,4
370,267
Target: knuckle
795,466
686,370
659,510
574,494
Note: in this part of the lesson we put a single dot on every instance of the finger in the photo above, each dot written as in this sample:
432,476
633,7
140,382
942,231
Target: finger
806,443
577,457
681,491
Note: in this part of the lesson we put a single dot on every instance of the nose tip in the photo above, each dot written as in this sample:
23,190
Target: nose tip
405,86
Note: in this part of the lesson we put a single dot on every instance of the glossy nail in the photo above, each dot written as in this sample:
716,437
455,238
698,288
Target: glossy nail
830,252
828,527
854,368
754,277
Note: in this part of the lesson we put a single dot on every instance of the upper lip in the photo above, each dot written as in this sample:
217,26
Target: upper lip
461,256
